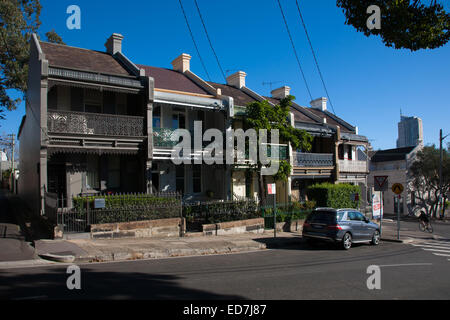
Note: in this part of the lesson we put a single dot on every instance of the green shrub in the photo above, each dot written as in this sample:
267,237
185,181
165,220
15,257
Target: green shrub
120,201
334,195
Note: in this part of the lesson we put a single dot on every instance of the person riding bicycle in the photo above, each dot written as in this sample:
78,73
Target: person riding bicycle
424,217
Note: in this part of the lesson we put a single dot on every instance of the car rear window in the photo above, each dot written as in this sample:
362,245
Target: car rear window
328,217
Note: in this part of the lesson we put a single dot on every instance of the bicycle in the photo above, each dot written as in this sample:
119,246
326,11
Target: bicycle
425,226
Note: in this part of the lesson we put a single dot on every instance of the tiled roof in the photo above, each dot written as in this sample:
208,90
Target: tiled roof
172,80
296,110
391,154
83,59
330,120
240,97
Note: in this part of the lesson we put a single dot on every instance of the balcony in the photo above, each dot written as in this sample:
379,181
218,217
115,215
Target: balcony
313,160
69,122
162,138
352,166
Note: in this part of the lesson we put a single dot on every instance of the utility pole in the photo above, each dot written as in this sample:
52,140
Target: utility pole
441,198
12,177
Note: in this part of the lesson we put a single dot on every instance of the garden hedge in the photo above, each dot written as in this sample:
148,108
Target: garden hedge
334,195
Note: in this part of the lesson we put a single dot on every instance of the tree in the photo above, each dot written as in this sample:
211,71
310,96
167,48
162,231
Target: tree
263,115
424,178
405,24
19,19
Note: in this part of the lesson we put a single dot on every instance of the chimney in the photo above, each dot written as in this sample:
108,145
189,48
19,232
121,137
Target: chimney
320,104
114,43
237,79
281,93
182,63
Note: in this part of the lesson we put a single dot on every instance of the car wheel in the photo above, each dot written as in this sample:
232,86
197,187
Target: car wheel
346,241
375,238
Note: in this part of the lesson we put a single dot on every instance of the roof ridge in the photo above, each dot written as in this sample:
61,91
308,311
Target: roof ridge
65,45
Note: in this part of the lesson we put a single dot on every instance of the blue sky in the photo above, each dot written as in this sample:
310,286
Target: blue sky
367,82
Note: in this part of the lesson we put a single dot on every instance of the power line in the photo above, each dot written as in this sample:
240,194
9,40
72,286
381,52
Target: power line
295,51
314,55
209,40
193,40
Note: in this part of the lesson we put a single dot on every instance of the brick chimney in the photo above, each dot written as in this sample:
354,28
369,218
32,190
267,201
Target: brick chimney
237,79
320,103
114,43
182,63
281,93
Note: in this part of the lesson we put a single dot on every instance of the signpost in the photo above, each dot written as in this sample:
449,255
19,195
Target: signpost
377,207
272,189
381,184
397,188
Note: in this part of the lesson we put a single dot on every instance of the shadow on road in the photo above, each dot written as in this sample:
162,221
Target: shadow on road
51,285
297,243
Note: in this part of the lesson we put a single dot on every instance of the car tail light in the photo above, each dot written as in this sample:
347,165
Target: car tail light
306,224
334,227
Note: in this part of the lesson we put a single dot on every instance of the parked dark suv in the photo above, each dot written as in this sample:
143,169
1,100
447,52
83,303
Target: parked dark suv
343,226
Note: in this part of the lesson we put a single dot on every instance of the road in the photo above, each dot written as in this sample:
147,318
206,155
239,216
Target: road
408,271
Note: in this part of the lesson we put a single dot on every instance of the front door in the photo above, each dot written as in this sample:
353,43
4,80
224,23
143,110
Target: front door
56,178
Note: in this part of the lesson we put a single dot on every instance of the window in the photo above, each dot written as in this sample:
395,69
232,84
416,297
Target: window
53,98
178,121
248,184
92,181
113,172
197,178
355,216
155,177
76,99
179,173
157,117
92,101
341,152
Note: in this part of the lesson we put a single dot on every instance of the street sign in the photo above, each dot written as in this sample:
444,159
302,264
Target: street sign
271,188
380,183
377,211
397,188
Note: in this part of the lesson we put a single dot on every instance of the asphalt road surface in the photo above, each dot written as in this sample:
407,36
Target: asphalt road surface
407,271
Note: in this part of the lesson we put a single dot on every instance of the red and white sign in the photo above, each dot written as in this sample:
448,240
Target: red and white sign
377,209
380,183
271,188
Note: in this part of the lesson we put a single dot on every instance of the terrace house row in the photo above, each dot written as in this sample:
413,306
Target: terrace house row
338,153
97,122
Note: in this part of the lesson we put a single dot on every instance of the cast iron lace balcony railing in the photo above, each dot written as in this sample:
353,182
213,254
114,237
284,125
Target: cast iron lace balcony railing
313,159
94,123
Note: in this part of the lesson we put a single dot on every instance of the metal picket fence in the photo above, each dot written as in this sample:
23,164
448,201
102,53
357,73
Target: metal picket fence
113,208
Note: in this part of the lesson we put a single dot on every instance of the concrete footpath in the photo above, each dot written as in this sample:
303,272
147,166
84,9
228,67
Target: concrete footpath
88,250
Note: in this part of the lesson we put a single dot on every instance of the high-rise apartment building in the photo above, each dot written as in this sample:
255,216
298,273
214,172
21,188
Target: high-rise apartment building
410,132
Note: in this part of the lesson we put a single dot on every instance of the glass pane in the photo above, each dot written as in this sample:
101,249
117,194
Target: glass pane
92,173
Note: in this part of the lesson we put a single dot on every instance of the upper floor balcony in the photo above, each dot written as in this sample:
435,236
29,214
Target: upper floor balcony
313,160
353,166
163,142
85,123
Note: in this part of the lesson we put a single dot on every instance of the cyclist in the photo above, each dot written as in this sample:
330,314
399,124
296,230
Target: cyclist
423,218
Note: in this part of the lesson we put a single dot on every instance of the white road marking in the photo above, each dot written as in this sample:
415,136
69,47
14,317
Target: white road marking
429,246
446,251
406,265
441,254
